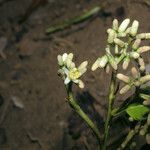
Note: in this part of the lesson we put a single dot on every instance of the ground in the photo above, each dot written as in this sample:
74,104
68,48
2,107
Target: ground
34,113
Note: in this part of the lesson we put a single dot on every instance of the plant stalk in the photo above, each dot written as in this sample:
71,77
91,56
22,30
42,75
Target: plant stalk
111,99
82,114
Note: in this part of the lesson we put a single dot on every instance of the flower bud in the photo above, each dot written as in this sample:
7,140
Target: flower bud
121,34
148,138
128,30
108,30
143,36
136,44
107,69
95,65
112,62
123,78
125,63
111,36
116,49
125,89
124,25
134,72
144,79
131,119
103,61
119,42
148,119
134,28
141,63
143,49
143,130
134,55
115,24
146,102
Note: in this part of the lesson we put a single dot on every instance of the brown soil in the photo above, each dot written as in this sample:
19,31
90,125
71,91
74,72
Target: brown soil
33,111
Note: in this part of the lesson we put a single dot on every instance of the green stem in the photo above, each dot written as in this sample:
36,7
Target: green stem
129,137
111,99
75,20
82,114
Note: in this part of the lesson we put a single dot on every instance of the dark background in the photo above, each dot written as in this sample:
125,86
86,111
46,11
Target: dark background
34,113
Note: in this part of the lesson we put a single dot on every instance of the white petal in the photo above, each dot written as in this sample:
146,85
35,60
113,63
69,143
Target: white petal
70,56
60,61
64,56
81,84
67,80
82,68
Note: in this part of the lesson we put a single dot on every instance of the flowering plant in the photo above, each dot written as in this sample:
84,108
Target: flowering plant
123,46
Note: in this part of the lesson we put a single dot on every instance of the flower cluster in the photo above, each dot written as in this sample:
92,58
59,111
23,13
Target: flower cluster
68,70
123,45
136,80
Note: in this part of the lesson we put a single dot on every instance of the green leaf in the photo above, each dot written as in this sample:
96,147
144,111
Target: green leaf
137,111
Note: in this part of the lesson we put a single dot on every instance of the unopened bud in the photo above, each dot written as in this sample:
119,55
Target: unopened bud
141,63
128,30
107,69
112,62
125,89
111,36
143,36
144,79
95,65
119,42
134,28
136,44
124,25
148,138
116,49
143,49
148,119
121,34
143,130
126,63
146,102
134,55
123,78
134,72
115,24
131,119
103,61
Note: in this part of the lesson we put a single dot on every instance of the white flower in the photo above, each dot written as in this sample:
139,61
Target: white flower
68,70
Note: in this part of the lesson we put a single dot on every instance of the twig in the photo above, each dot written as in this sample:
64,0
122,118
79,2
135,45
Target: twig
33,139
82,114
75,20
